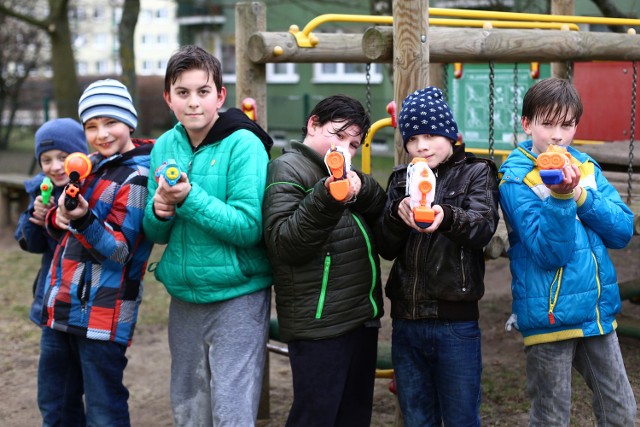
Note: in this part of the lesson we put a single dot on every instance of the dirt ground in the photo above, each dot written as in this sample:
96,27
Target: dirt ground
147,375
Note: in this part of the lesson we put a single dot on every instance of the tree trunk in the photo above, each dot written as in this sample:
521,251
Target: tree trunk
63,65
126,31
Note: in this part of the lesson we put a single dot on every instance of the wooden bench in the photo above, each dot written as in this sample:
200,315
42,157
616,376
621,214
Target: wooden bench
13,197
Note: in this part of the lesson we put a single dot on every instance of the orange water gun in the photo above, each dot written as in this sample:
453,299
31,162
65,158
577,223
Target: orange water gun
77,166
338,162
551,162
421,189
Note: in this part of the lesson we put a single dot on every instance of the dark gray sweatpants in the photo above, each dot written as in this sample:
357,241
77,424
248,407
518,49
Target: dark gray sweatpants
218,353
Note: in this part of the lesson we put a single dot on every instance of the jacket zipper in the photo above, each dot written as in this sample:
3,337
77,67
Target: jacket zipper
323,290
553,295
84,289
595,260
464,277
372,262
184,238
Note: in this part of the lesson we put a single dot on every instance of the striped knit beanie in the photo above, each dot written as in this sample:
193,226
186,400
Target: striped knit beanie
425,112
107,98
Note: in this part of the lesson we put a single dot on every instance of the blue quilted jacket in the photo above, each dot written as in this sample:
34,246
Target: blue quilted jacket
564,284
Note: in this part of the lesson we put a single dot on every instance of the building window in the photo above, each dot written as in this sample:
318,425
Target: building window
99,13
228,63
162,14
82,68
100,40
145,15
102,67
147,67
345,73
282,73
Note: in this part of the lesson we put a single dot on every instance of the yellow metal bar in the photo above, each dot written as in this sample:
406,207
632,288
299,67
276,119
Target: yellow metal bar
304,38
485,151
502,24
513,16
366,146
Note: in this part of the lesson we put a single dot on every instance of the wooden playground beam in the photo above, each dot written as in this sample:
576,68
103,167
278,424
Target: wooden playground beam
448,45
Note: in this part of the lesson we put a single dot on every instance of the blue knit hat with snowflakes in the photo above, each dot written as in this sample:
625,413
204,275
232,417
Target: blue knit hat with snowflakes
107,98
426,112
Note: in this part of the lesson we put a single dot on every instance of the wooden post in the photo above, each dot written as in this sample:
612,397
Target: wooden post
561,7
251,78
251,81
411,56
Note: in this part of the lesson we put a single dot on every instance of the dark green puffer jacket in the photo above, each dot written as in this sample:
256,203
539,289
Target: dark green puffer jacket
325,262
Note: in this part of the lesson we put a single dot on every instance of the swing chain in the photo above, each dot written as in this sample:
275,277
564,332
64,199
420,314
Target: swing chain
445,81
368,77
634,89
569,66
491,106
515,105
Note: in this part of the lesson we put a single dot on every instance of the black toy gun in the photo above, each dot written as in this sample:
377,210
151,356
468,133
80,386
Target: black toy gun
77,166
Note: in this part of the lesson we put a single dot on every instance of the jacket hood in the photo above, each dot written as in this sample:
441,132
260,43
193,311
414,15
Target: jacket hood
232,120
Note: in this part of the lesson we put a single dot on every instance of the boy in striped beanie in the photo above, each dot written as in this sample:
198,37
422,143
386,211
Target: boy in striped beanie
94,288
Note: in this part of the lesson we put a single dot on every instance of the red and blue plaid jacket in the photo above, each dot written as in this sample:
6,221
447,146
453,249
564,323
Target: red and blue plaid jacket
94,286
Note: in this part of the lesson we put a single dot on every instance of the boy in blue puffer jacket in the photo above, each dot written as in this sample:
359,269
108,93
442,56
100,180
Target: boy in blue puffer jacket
55,140
564,286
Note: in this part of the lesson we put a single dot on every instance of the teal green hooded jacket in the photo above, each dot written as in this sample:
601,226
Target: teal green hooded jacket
214,243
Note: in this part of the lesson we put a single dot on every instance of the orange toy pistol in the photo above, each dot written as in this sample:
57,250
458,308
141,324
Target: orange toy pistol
421,188
77,166
551,162
338,162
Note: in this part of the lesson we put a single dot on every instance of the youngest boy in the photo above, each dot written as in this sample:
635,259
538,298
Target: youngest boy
564,286
94,287
54,141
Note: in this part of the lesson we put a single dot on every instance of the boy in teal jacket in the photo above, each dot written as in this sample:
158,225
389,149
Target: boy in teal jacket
214,266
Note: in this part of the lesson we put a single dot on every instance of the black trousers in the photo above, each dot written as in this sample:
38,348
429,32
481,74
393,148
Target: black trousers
333,380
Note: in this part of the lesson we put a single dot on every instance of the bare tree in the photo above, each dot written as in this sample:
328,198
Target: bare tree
21,53
610,10
56,26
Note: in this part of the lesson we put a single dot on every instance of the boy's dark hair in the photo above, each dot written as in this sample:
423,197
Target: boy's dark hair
192,57
552,100
341,108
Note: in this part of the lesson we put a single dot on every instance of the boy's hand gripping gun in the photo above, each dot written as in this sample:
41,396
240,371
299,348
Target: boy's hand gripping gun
171,172
338,162
551,162
421,188
46,187
77,166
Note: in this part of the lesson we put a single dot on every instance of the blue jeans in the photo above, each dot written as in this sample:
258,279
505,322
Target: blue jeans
73,364
599,361
438,365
